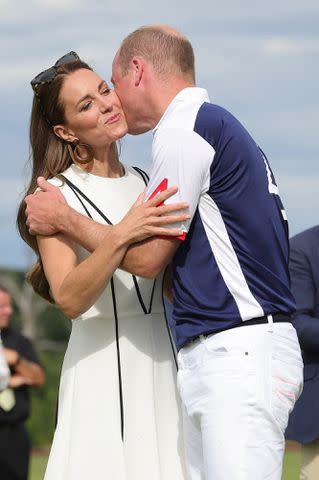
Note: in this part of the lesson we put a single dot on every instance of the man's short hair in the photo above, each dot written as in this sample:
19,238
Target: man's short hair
169,53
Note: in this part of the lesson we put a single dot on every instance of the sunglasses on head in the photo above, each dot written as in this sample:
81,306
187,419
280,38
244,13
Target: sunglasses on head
48,75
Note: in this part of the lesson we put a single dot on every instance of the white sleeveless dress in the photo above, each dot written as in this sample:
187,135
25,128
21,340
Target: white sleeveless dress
118,377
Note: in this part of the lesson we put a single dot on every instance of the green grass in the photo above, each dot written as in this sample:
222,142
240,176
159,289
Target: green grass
291,465
37,467
290,472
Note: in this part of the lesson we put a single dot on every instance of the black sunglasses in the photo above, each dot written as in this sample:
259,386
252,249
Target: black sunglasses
48,75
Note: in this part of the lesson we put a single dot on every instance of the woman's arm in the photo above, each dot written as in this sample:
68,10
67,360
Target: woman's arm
76,286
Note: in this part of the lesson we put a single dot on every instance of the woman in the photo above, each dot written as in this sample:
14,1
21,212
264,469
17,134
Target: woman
117,415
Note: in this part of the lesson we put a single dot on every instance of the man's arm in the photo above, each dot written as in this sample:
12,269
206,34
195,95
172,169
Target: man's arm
183,158
48,213
147,259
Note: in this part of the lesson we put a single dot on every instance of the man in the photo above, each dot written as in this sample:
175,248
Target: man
229,267
14,400
304,420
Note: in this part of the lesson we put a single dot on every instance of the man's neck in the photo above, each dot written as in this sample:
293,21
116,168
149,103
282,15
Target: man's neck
164,99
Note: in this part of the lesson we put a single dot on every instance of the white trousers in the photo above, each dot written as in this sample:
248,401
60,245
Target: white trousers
237,389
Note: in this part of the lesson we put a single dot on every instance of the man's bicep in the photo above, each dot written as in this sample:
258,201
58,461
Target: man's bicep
181,158
148,258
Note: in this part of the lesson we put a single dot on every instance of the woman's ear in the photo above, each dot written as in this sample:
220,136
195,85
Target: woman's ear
64,133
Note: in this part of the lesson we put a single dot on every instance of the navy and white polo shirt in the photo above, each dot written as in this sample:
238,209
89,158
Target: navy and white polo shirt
233,263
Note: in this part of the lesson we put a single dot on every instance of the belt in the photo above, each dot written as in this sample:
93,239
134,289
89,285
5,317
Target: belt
276,318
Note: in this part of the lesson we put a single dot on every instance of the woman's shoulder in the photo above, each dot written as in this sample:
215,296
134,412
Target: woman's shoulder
56,181
138,172
59,179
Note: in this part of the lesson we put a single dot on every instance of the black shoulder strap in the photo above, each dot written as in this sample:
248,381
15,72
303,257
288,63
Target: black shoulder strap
143,174
78,193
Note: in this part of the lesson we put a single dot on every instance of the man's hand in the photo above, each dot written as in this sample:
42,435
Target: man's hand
44,209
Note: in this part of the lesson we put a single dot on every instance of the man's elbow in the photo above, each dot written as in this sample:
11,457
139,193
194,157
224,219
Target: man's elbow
149,273
151,269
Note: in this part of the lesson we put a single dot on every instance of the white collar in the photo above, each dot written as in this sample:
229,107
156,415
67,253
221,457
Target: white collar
186,95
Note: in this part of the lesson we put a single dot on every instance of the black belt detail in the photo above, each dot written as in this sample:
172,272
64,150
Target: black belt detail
277,318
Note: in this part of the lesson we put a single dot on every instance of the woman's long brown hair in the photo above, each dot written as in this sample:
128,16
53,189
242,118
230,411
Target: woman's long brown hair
49,158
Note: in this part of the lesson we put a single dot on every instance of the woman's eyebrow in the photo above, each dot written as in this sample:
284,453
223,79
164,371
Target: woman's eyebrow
89,96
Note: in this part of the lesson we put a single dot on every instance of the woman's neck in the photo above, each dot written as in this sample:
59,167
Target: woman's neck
105,163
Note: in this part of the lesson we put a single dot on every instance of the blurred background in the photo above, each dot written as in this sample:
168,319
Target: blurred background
257,59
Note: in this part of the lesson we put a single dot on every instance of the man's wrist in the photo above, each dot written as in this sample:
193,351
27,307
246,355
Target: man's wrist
121,238
63,220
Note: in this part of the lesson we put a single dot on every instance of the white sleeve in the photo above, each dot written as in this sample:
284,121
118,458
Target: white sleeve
181,158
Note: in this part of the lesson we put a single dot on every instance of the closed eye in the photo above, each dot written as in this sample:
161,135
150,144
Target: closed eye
86,107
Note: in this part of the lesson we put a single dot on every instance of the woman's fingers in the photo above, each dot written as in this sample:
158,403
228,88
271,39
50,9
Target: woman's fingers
170,219
161,197
140,199
165,232
173,207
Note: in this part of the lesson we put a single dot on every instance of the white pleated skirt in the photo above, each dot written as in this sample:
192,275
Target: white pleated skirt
118,427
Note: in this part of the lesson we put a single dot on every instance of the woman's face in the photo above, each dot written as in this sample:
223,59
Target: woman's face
93,111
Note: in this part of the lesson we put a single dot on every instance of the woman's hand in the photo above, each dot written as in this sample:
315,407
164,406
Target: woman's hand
148,219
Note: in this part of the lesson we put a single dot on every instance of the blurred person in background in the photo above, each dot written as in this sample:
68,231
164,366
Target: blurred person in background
303,424
25,370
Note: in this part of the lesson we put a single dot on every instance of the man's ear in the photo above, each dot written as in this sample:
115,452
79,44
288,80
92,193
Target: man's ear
138,70
64,133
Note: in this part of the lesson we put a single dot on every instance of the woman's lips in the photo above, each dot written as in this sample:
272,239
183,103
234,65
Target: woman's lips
113,119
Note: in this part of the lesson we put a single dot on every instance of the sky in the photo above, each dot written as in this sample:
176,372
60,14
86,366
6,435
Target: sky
260,60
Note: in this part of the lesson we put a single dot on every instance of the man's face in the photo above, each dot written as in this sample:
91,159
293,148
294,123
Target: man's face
130,97
6,309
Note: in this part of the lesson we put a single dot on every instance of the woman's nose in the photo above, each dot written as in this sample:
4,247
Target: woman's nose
106,104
